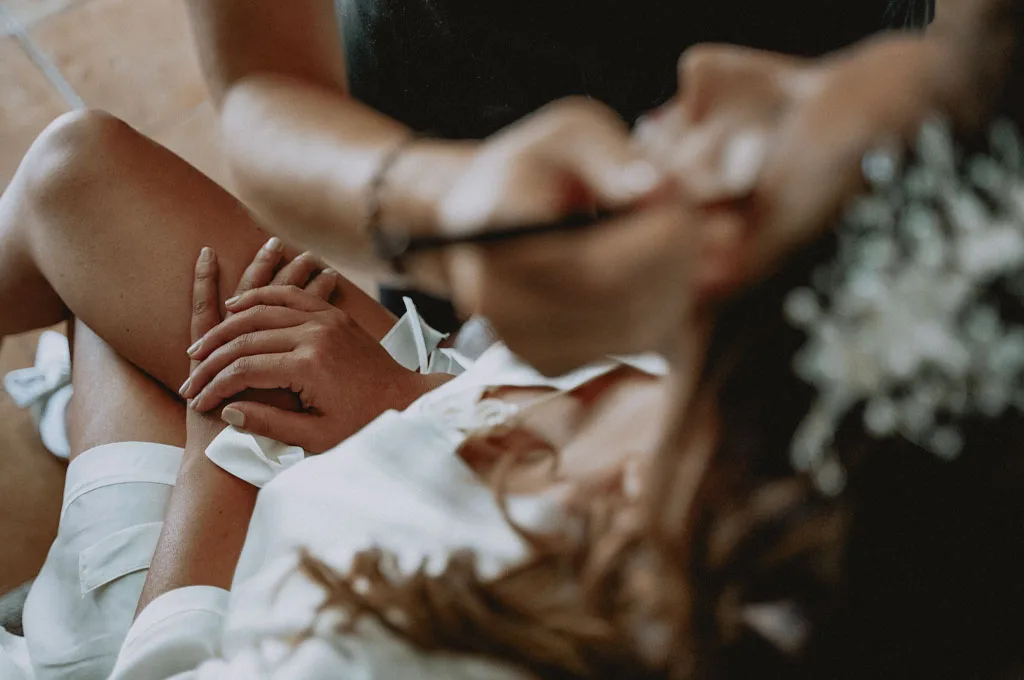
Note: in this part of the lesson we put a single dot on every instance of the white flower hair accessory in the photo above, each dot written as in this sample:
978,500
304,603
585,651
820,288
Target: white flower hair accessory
905,320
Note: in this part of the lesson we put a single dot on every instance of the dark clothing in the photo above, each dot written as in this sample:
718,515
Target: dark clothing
466,68
435,311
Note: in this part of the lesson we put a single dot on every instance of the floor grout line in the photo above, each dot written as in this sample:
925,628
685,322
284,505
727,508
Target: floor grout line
17,31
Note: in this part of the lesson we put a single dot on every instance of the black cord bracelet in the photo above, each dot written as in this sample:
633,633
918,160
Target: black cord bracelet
389,247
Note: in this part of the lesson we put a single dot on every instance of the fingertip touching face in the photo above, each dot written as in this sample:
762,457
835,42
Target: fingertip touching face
714,135
766,147
779,139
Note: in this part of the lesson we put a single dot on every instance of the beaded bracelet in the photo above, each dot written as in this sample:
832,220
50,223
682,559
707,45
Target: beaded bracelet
388,246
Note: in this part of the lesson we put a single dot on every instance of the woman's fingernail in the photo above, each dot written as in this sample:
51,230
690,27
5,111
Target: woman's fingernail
274,244
184,386
638,178
742,161
233,416
232,300
194,347
206,254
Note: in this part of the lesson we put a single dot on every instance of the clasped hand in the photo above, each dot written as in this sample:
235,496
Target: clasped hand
282,333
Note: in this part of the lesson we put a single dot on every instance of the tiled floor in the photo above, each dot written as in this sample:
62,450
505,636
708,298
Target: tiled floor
133,58
31,481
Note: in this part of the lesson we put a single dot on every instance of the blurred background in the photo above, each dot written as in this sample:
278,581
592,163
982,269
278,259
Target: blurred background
133,58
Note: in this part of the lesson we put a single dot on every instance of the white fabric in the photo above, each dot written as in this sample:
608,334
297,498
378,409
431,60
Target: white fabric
45,389
397,485
198,609
14,662
53,428
115,499
252,458
82,603
413,343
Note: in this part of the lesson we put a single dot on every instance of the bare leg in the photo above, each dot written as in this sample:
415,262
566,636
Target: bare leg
104,224
114,401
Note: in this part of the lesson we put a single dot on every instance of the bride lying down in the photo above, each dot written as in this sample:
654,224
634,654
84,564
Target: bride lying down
817,523
809,524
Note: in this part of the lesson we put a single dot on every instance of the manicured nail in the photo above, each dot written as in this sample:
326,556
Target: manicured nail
233,416
742,160
638,178
232,300
274,244
206,254
184,386
194,347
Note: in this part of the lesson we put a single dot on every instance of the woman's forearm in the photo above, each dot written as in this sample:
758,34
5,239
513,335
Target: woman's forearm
304,157
204,530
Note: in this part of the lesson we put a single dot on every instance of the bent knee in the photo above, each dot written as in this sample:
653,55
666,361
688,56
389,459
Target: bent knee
75,153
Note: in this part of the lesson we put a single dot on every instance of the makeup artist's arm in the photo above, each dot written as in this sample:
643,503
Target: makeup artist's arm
304,151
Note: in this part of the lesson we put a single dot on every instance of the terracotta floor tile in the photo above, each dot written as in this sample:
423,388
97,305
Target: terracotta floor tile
27,105
196,138
31,480
133,58
27,12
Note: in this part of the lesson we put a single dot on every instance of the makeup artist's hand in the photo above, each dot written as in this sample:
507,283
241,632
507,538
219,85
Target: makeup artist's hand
572,156
780,140
630,284
563,299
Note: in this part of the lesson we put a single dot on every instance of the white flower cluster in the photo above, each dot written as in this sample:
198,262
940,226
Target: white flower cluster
904,320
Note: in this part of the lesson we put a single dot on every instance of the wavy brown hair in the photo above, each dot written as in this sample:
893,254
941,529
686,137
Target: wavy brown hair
733,566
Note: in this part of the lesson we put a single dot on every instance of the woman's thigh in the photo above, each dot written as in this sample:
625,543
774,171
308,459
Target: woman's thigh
114,223
114,401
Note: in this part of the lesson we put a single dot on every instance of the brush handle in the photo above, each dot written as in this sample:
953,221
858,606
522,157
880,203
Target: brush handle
392,247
